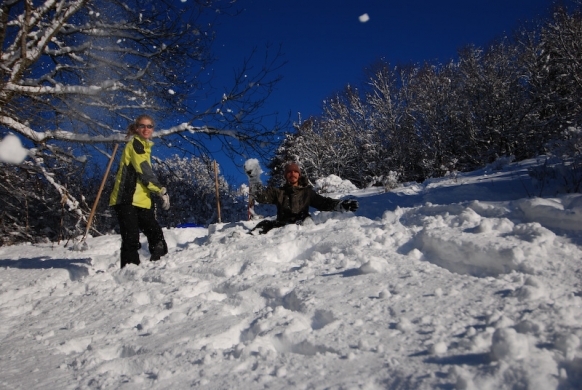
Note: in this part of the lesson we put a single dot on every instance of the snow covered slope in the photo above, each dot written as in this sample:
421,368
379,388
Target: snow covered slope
469,282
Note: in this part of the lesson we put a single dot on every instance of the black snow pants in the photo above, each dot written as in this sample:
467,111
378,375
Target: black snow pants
266,225
132,219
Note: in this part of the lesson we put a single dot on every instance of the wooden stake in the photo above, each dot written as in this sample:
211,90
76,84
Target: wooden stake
251,205
217,193
99,193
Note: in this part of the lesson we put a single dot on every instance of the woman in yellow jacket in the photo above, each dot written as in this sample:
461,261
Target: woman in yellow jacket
131,196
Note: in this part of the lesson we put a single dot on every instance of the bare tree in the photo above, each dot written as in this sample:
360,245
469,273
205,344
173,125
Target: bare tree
75,72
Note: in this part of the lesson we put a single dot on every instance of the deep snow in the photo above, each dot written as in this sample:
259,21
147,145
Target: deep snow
468,282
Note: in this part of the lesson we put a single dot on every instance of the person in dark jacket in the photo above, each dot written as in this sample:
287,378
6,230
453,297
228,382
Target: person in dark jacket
131,195
293,200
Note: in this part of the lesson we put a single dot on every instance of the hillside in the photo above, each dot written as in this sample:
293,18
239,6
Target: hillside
467,282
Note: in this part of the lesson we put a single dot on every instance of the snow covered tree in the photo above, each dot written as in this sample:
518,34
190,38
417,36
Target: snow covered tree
192,187
31,210
319,147
390,96
553,60
516,97
353,154
435,106
75,72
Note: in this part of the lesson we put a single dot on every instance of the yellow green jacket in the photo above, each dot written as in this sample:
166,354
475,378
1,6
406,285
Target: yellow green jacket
135,180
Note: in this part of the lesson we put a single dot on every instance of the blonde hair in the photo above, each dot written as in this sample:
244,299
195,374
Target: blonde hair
132,128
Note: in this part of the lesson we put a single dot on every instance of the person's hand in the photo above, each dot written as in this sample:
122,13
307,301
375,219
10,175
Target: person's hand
253,170
165,199
349,205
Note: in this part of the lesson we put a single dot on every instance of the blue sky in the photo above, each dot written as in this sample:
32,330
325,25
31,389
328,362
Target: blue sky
327,47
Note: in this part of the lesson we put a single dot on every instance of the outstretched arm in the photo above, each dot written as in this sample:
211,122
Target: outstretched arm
324,203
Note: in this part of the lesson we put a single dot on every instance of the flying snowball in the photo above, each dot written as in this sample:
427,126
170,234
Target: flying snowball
364,18
11,150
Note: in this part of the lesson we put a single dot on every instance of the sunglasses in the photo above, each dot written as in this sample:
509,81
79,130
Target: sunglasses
142,126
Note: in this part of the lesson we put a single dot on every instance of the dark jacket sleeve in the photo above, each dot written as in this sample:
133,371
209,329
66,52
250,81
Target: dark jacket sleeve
322,203
265,195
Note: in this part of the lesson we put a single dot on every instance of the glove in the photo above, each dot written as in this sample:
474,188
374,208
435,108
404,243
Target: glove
165,199
253,171
349,205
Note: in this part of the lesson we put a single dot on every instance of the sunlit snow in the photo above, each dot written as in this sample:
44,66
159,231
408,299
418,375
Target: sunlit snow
467,282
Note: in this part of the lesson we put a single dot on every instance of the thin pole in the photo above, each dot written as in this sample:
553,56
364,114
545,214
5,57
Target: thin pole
217,193
251,205
100,190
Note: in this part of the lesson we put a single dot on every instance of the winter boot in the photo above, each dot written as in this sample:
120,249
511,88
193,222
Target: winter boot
159,250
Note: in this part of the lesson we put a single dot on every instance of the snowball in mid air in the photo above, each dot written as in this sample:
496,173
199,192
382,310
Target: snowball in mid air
364,18
11,150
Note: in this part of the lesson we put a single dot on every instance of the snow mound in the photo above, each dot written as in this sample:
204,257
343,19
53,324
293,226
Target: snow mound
333,184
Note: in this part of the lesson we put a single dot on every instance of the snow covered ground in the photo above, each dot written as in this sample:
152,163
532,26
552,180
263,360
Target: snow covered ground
468,282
